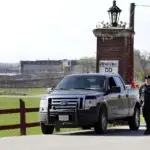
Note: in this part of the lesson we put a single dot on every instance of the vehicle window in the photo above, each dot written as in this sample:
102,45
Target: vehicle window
92,82
111,83
119,83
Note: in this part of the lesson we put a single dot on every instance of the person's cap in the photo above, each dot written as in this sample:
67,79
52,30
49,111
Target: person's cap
147,76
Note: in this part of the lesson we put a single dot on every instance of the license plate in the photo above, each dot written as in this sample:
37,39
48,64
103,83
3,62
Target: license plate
63,117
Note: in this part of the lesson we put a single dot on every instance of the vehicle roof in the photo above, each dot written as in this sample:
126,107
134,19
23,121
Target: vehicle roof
98,74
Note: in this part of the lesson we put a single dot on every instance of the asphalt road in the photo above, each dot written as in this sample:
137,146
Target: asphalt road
120,138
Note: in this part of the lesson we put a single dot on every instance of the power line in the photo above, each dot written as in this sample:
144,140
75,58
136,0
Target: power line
143,5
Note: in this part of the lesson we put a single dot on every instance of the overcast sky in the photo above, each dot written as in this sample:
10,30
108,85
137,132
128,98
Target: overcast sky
61,29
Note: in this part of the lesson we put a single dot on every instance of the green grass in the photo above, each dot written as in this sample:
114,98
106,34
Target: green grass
9,119
8,102
31,131
142,120
22,91
36,91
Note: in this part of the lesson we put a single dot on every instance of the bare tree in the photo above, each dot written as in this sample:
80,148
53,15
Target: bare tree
138,68
140,61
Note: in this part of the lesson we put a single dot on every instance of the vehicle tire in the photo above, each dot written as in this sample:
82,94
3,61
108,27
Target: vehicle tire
47,129
134,121
101,125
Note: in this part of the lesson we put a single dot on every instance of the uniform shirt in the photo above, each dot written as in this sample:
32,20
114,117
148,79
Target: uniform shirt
144,93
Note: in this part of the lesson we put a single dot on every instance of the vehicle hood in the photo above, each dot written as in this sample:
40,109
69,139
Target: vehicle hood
65,93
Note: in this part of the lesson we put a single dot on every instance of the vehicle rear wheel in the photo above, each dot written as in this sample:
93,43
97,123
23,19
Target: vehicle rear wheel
47,129
134,121
101,125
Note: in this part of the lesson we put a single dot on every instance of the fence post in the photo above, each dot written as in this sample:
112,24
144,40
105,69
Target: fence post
22,118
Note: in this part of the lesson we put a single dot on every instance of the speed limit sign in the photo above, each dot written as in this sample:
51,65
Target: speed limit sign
108,66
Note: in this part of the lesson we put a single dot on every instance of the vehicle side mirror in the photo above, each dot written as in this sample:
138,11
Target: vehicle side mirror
115,89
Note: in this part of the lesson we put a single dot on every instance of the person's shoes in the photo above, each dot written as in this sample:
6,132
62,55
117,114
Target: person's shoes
147,132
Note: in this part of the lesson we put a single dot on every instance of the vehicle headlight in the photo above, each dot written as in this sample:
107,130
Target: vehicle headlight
90,103
44,104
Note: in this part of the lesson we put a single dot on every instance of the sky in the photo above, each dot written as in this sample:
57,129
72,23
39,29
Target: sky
61,29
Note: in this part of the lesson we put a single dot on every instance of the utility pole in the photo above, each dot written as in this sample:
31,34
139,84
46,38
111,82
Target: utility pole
131,25
132,14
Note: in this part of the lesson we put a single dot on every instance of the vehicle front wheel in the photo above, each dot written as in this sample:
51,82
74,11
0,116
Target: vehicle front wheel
134,121
47,129
101,125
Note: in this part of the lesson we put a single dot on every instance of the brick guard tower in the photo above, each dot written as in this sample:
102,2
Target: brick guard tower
115,42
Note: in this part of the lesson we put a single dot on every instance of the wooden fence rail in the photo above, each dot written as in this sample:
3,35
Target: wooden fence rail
23,125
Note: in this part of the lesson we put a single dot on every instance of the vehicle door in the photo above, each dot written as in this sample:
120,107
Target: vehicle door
122,102
133,92
112,99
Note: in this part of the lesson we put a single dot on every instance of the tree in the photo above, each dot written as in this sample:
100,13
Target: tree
140,61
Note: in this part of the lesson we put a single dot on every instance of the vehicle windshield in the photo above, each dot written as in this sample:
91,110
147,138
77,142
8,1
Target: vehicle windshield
85,82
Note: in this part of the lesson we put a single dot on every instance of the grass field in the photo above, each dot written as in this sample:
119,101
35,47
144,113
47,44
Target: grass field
8,103
9,119
22,91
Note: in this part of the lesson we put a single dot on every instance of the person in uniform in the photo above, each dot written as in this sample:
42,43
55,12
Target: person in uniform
144,97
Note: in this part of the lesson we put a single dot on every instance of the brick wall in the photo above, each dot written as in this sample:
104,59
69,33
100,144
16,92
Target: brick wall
120,47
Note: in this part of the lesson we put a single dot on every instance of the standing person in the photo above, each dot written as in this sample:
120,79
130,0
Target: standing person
144,96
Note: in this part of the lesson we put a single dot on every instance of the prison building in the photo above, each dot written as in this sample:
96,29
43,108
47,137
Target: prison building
45,66
31,67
